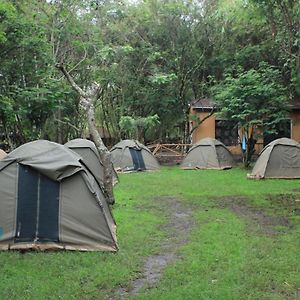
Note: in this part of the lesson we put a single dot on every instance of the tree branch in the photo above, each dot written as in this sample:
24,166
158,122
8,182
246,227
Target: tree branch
74,85
68,123
201,121
82,60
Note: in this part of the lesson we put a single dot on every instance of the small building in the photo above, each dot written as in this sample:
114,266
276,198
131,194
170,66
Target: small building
205,123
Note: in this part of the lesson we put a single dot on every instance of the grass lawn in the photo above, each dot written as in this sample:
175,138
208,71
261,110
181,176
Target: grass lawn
244,243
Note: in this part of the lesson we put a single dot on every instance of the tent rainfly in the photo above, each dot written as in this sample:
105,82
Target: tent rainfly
90,158
279,159
3,154
208,153
131,155
50,200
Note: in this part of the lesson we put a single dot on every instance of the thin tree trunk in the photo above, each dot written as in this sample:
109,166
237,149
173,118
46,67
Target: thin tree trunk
103,152
88,99
59,125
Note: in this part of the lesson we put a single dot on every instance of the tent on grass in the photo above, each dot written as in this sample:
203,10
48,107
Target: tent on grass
2,154
90,158
50,200
131,155
279,159
208,153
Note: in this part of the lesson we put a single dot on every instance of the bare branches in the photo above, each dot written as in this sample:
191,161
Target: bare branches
74,85
81,61
69,124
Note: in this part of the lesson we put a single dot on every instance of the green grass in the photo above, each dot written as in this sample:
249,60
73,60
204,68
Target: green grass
228,256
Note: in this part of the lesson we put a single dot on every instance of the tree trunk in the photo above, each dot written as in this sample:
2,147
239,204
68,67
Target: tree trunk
103,152
59,125
250,149
88,99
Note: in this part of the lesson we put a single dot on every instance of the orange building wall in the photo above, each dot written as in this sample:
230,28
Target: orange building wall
206,129
295,134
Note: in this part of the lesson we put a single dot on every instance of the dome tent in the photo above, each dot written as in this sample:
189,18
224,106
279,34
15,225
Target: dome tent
208,153
90,158
279,159
50,200
131,155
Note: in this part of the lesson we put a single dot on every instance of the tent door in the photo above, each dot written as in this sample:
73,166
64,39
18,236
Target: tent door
37,207
137,158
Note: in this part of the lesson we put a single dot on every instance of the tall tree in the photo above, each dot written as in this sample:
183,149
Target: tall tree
252,99
88,99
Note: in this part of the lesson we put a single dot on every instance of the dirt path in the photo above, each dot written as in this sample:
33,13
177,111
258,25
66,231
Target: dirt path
178,227
258,218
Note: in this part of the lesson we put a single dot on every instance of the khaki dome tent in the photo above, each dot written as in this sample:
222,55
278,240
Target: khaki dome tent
50,200
131,155
2,154
279,159
90,158
208,153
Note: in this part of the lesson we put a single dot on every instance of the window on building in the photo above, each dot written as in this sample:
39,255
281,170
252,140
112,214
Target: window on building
283,129
227,132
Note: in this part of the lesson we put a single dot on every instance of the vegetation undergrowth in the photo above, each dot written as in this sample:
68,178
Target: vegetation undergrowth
244,244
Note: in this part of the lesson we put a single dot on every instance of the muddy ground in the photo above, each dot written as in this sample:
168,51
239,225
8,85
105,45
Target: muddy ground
180,223
271,221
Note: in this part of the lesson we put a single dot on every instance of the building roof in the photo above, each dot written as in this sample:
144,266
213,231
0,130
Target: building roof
294,103
208,103
203,103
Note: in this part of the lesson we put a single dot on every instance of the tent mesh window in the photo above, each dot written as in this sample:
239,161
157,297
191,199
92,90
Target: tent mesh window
38,205
137,159
226,132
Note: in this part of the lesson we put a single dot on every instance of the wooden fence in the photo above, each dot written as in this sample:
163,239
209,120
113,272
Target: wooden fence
169,153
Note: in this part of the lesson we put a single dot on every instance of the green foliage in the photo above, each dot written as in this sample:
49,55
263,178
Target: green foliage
127,124
7,13
151,58
6,109
253,98
136,128
163,78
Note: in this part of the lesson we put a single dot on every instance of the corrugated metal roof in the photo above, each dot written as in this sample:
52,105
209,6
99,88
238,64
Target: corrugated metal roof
202,103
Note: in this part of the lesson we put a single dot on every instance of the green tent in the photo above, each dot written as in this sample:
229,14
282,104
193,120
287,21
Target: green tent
90,158
50,200
208,153
131,155
279,159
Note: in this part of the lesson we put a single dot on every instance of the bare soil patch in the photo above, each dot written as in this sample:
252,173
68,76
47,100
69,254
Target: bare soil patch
287,203
177,230
258,218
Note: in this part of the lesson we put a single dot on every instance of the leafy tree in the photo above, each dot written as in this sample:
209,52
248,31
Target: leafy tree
150,58
136,128
252,99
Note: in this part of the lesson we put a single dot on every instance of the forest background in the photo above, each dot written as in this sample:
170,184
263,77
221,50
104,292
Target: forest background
151,57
